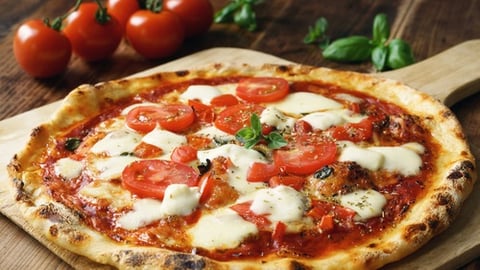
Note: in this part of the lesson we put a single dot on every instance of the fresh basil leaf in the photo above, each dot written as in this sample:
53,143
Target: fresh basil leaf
381,29
245,134
225,15
256,124
399,54
350,49
245,17
275,140
316,33
71,144
379,57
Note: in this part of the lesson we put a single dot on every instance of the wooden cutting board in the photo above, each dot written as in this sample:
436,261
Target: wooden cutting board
449,76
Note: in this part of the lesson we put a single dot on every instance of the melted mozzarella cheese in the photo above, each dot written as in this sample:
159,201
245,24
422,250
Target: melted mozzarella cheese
323,120
110,167
404,159
68,168
221,229
117,142
275,118
180,200
215,134
366,158
366,203
228,88
281,203
204,93
165,140
305,102
400,159
145,211
116,196
241,158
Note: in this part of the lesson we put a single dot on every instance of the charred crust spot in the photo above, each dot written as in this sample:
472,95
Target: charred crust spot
182,73
294,265
283,68
36,131
21,195
447,114
414,230
462,171
433,223
53,230
181,261
372,245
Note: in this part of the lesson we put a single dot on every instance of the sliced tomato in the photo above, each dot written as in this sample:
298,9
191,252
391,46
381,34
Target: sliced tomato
243,209
224,100
326,223
184,154
150,178
304,159
302,127
173,117
355,132
233,118
146,150
278,234
203,112
261,172
206,185
262,89
293,181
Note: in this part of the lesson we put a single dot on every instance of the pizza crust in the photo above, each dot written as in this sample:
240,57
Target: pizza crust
454,178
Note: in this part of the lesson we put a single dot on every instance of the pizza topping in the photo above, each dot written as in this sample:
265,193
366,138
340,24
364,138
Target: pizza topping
68,168
281,203
366,203
236,117
172,117
298,103
262,89
250,136
275,118
116,143
229,230
203,93
165,140
107,168
150,178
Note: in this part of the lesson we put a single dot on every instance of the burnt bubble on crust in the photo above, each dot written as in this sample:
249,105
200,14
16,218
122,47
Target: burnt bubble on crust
463,171
182,73
184,261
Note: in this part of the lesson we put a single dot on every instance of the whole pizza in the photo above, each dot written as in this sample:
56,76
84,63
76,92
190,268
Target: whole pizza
278,166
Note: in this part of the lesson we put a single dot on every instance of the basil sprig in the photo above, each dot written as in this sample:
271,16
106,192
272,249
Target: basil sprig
383,54
240,12
252,135
316,33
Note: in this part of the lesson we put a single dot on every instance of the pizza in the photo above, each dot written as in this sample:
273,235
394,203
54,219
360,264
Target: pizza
240,166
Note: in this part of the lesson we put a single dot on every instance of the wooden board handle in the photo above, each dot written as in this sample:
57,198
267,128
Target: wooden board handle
449,76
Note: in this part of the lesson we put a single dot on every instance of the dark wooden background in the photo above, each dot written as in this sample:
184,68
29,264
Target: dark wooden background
430,26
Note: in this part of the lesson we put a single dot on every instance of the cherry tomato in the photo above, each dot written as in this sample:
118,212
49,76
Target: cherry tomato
304,159
243,209
204,113
224,100
155,35
262,89
184,154
261,172
206,185
92,40
355,132
293,181
278,234
196,15
40,50
233,118
146,150
150,178
122,10
173,117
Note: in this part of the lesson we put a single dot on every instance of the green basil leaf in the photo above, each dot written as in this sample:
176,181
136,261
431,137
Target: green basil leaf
350,49
399,54
379,57
245,17
245,134
71,144
275,140
317,32
225,15
256,124
381,29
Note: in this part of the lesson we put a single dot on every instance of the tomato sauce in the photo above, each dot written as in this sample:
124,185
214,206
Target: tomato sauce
401,194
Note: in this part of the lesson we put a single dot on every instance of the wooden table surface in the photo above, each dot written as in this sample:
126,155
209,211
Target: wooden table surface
430,26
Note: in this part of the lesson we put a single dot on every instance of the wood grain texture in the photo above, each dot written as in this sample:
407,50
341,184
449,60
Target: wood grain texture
430,26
